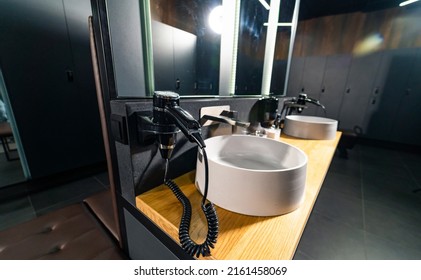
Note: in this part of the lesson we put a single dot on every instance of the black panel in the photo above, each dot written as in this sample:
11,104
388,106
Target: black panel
163,56
295,76
313,72
359,85
333,85
57,117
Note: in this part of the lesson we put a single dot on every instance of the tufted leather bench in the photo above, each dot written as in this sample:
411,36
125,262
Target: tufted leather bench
70,233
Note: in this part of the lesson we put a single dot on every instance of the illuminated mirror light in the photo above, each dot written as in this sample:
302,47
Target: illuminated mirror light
216,19
265,4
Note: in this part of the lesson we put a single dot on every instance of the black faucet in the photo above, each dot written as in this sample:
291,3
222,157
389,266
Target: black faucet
296,104
299,104
228,117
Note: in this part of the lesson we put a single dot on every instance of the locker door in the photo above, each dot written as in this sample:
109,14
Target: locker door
333,85
184,61
295,76
163,56
407,124
357,92
311,83
387,94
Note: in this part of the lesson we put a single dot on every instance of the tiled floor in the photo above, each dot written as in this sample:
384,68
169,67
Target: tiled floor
368,208
35,204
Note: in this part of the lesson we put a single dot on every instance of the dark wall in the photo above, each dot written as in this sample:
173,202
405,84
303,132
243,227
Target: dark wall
46,63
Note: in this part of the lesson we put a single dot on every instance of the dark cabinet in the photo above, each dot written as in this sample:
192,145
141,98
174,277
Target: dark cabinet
377,95
174,56
295,76
46,64
359,85
393,109
333,85
312,77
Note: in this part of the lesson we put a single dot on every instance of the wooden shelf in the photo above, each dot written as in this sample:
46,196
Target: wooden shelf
244,237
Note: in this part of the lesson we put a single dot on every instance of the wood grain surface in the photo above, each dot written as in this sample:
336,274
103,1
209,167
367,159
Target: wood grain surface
244,237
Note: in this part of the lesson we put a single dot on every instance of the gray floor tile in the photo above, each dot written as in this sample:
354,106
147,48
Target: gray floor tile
393,225
350,167
339,207
396,169
64,195
103,178
15,212
299,255
11,172
388,182
381,249
326,239
410,204
373,154
344,184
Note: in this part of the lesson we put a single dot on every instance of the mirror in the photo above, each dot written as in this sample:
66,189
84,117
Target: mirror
187,51
11,169
252,44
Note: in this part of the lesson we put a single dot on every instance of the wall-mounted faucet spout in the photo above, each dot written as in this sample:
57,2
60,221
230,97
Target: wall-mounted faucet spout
298,104
227,117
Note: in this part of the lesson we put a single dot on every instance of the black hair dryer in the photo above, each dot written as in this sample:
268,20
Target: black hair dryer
168,116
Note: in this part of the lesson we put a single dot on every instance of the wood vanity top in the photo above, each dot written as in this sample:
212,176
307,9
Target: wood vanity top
244,237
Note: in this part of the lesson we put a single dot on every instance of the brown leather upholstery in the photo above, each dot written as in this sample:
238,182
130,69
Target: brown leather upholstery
102,206
70,233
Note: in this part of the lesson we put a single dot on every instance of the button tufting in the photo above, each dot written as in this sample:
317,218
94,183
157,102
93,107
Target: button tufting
47,230
55,249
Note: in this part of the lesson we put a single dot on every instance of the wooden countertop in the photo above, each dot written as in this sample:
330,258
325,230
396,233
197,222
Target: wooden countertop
244,237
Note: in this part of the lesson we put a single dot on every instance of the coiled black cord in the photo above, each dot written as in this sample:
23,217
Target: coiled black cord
191,247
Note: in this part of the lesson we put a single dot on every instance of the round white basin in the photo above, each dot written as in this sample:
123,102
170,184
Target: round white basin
310,127
252,175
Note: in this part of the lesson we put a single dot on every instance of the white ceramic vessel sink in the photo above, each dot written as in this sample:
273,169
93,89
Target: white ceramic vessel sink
309,127
252,175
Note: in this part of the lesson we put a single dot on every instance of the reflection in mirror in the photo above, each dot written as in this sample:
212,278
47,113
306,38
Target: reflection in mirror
11,170
185,49
253,44
190,58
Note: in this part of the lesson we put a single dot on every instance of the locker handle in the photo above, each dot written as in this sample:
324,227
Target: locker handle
177,84
348,90
70,76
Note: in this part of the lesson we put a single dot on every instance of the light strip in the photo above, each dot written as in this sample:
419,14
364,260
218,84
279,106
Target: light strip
266,5
407,2
279,24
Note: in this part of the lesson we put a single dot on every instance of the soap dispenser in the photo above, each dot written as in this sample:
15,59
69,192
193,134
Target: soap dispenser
268,115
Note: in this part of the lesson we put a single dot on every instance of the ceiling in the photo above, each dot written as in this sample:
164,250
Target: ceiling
318,8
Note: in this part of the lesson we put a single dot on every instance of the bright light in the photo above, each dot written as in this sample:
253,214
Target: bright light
216,19
407,2
369,44
266,5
